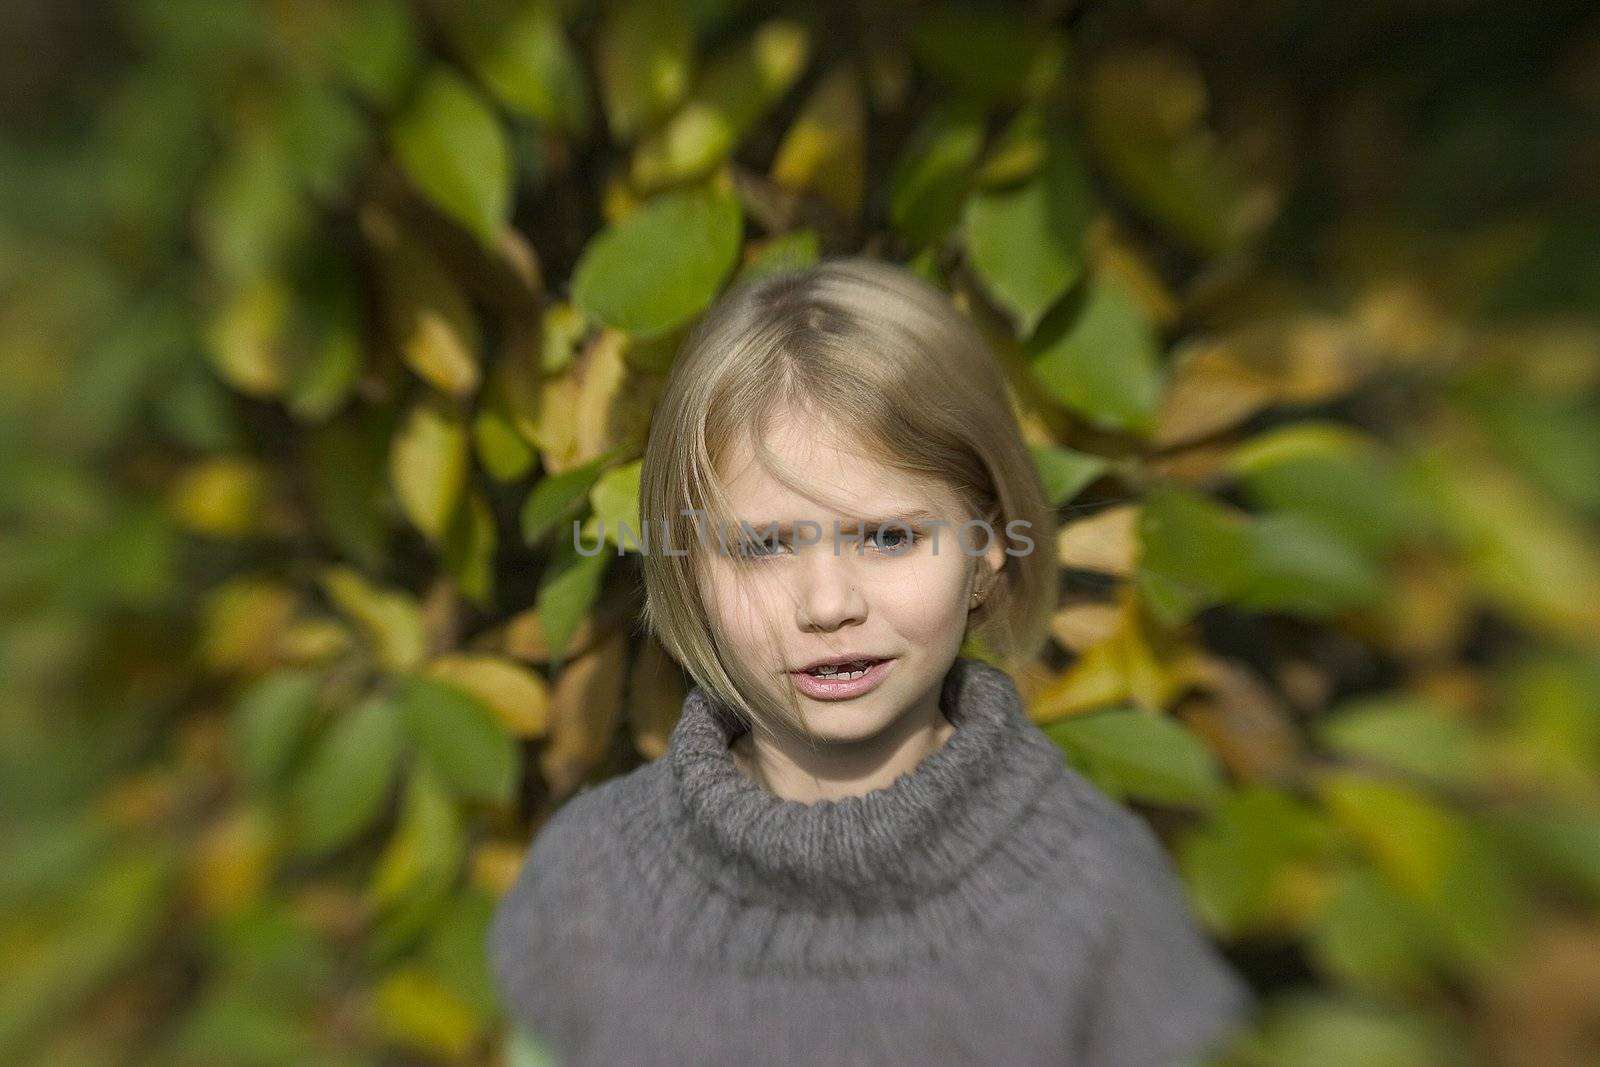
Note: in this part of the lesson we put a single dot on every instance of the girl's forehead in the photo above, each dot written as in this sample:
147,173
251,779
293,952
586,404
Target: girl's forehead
830,465
863,489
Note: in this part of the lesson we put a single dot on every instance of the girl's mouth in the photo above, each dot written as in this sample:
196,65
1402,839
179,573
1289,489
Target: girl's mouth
843,681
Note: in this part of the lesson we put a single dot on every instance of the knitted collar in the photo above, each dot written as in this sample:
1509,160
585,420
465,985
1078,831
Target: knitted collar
894,845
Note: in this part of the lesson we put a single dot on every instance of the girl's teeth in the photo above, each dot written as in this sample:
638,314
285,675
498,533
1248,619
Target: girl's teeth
854,671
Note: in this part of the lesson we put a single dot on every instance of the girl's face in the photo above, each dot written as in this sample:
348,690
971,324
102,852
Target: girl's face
873,592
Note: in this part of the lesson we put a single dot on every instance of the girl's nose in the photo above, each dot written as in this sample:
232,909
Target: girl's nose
827,595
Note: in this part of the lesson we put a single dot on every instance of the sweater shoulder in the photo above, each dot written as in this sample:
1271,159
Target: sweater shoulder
1108,850
564,873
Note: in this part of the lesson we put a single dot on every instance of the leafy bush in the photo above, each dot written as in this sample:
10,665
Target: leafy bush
323,322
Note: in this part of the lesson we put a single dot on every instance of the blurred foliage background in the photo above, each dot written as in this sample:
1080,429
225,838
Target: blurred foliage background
320,322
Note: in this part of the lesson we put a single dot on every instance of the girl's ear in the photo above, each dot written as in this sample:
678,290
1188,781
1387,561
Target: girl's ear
986,575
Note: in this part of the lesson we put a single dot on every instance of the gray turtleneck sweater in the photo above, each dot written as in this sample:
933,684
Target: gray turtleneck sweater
990,906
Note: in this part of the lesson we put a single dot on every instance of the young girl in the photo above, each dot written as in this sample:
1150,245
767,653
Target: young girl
858,848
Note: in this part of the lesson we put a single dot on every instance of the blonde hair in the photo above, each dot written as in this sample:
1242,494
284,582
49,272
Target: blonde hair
863,345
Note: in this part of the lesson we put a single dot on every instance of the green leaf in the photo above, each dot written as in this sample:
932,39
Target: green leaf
251,213
1198,552
1195,552
1558,840
1555,439
270,723
556,497
98,931
1552,733
736,87
1063,472
659,266
568,589
792,251
1139,755
528,63
345,468
332,353
504,453
1405,733
644,55
1369,936
1026,243
615,500
454,148
1231,862
929,181
1299,566
463,740
469,550
1146,110
996,56
275,953
349,776
373,45
1533,558
454,948
243,1026
1305,1030
1099,355
323,134
419,865
1334,476
49,855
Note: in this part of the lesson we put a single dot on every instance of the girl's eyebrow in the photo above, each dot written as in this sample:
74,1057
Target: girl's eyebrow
785,528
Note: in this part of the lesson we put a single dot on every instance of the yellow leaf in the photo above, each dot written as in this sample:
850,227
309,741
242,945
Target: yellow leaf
427,314
495,865
391,619
1525,551
601,396
517,695
313,641
233,862
1113,251
1412,838
557,432
469,549
245,340
1217,384
220,497
825,150
1210,390
428,463
525,637
1107,542
585,710
417,1008
1137,663
1298,893
1082,624
242,621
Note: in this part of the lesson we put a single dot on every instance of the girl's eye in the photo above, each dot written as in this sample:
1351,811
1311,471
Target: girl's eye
760,549
899,539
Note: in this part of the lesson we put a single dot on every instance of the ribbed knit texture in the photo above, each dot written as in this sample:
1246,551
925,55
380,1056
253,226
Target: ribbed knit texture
990,906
